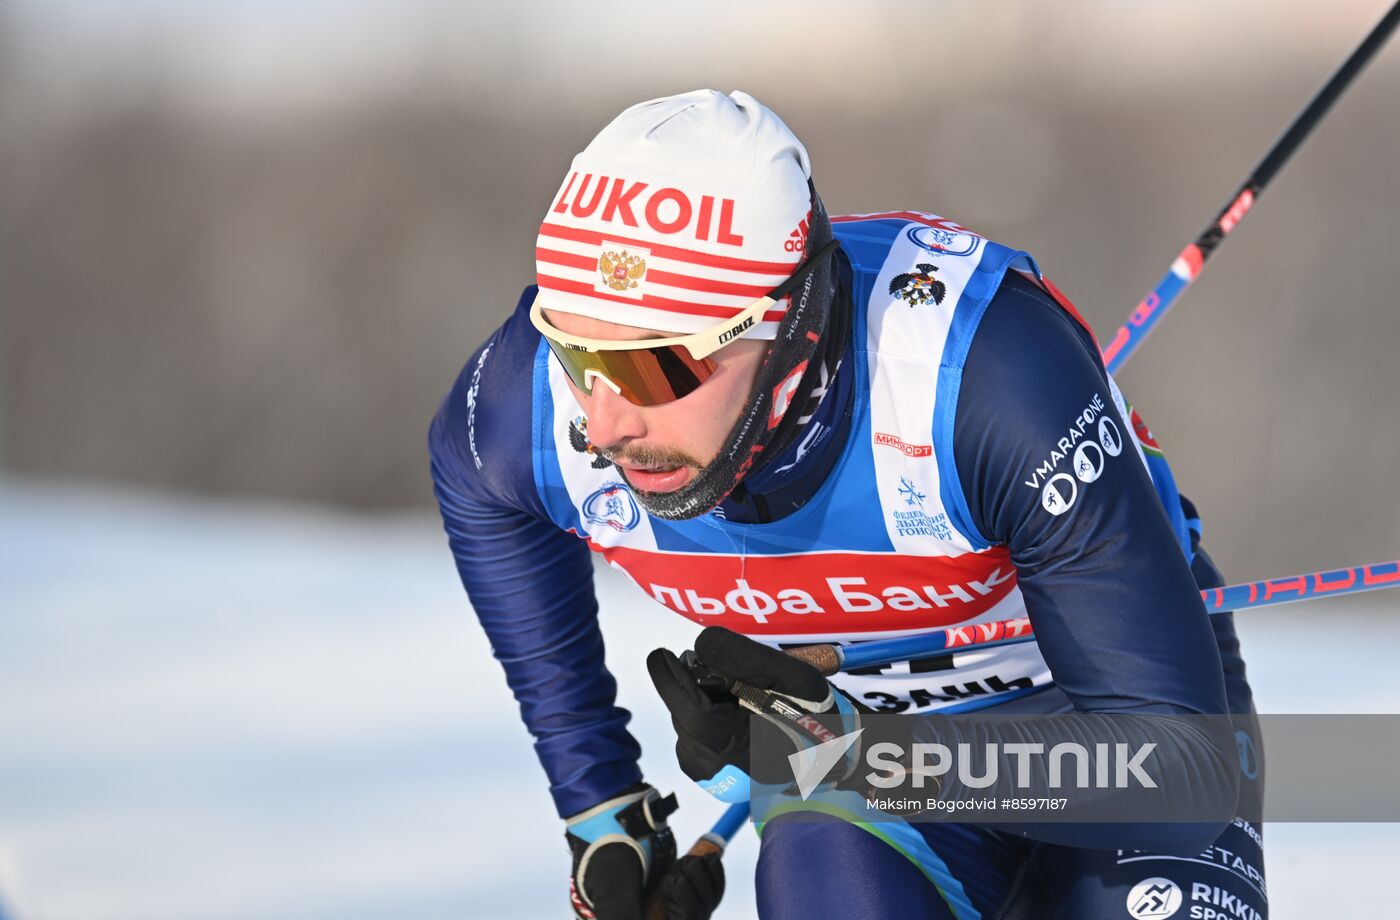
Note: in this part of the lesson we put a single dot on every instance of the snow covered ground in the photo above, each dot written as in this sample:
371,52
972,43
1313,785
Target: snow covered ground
215,710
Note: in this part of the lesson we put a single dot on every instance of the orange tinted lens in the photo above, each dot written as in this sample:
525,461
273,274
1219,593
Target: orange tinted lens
646,376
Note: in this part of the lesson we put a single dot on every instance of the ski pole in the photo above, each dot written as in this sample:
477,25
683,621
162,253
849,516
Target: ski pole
1354,580
714,841
725,828
1189,263
832,658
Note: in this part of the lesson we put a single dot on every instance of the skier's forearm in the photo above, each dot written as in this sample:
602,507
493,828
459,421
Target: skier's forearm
531,586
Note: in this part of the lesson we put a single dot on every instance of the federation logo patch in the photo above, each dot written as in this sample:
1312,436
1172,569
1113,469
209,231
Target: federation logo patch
911,493
614,506
919,287
943,242
621,270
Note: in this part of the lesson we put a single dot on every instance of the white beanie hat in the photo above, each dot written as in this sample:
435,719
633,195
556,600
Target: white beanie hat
679,214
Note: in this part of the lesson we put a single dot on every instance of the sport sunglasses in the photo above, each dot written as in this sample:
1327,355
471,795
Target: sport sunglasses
648,372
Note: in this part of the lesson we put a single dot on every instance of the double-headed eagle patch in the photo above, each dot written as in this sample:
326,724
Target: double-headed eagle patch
578,440
621,271
918,287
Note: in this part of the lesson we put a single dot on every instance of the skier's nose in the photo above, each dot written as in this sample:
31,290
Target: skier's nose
612,420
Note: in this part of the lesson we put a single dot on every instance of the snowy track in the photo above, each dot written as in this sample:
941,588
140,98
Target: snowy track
214,711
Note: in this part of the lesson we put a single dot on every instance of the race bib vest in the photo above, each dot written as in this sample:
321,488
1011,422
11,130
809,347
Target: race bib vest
885,547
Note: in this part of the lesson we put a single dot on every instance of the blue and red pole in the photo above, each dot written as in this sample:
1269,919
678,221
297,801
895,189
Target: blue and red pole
1268,593
1189,262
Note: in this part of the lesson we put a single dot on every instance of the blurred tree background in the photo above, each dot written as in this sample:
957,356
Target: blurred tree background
246,247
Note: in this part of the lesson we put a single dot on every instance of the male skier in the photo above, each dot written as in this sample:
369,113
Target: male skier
808,429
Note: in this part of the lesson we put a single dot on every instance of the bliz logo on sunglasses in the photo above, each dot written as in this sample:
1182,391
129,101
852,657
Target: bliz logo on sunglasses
735,332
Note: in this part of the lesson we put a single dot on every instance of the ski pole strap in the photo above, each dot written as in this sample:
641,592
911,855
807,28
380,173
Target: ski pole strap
828,659
1189,262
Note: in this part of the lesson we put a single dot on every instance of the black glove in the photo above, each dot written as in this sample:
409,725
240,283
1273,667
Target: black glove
693,888
712,720
623,851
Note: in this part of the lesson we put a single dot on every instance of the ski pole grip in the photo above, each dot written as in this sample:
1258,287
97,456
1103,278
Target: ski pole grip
655,908
705,846
825,658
